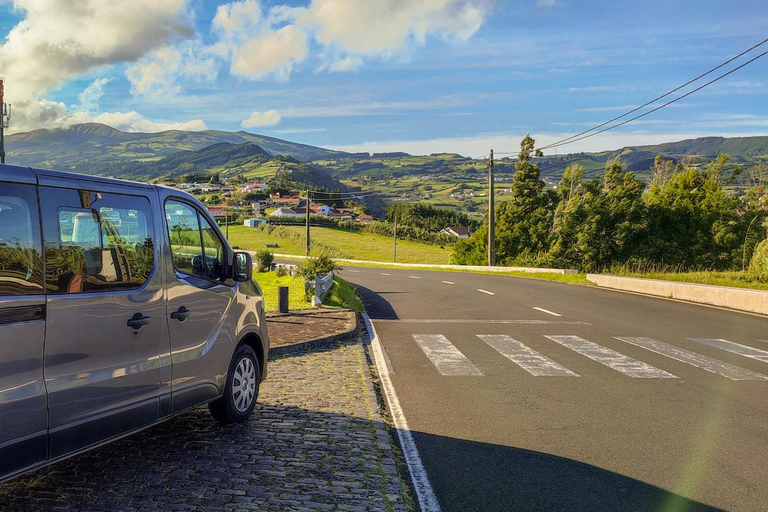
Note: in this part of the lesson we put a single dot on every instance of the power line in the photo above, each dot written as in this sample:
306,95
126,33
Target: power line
561,142
657,108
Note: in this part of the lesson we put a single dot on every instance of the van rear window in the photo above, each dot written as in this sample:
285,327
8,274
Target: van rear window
21,267
96,241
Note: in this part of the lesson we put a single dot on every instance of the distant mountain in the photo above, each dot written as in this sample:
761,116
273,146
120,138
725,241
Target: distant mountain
89,147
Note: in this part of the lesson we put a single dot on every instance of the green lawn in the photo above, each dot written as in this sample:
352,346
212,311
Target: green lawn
354,245
268,281
254,239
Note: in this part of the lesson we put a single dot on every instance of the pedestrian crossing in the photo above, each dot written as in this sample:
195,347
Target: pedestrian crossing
448,360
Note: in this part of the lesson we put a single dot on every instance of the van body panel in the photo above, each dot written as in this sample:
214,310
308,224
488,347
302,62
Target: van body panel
15,174
23,406
96,365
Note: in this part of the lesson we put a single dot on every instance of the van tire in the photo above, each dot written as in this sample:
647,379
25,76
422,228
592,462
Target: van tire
231,407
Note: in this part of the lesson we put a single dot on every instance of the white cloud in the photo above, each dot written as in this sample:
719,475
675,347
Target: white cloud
155,73
135,122
382,26
91,95
58,41
238,19
50,114
478,145
346,64
268,118
548,3
272,53
269,44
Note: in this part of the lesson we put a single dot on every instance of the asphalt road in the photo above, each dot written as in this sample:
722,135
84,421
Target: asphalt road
507,418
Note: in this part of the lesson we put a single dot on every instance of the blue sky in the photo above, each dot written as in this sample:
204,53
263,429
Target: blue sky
379,75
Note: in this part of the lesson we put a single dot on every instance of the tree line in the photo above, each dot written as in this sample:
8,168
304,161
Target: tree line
684,219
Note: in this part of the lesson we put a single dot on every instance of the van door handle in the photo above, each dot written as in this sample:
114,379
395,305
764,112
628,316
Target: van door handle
181,314
138,320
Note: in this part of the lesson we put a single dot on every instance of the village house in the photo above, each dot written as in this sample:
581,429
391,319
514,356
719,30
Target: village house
457,231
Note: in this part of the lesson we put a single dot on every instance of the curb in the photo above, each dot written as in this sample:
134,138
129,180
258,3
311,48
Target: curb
312,344
738,299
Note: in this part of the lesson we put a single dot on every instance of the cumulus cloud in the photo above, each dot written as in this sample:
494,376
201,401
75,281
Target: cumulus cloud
275,52
270,43
91,96
380,26
58,41
268,118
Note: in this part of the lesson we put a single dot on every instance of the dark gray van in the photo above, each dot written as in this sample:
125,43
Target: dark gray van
121,305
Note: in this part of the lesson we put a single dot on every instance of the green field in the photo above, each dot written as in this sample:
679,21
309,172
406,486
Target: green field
354,245
268,281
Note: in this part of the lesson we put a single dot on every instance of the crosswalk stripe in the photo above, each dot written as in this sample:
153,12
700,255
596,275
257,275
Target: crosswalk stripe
612,359
525,357
447,359
736,348
709,364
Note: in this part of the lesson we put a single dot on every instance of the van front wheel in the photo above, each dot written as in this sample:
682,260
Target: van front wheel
242,388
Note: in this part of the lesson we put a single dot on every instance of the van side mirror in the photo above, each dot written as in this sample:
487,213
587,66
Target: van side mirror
243,270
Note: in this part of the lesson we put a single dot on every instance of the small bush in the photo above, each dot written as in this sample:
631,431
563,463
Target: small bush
281,271
758,267
264,260
314,267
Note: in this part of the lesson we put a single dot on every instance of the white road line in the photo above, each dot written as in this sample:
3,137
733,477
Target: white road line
385,274
414,277
448,282
546,311
612,359
424,493
485,291
355,271
528,359
736,348
730,371
447,359
474,321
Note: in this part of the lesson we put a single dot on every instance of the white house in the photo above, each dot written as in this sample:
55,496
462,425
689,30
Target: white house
457,231
285,212
252,223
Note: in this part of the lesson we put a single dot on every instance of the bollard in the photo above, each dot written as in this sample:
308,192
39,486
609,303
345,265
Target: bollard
282,299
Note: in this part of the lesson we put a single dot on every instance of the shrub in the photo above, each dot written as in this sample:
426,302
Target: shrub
759,265
314,267
281,271
264,260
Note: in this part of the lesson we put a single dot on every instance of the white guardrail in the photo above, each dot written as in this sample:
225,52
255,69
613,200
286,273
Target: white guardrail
323,285
478,268
743,299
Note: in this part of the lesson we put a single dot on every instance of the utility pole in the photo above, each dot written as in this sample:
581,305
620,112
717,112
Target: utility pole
491,216
394,253
307,218
5,117
226,222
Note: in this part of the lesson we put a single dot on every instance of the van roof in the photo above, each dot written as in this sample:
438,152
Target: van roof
29,174
89,177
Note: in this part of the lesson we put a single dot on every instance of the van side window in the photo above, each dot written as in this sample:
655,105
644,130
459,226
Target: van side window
21,264
214,250
196,248
96,242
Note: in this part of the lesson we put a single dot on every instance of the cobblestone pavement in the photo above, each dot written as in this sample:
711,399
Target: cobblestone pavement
316,442
307,325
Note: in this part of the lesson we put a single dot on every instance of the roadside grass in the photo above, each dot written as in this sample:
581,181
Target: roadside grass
344,294
735,279
269,281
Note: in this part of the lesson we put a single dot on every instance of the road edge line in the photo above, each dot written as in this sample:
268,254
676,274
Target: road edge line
424,492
